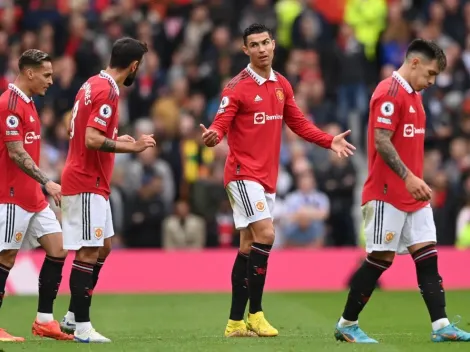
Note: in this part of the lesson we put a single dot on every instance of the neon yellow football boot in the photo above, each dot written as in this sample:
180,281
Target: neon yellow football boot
237,328
258,324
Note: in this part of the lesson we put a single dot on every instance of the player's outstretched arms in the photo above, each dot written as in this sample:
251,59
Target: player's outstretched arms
20,156
96,140
417,187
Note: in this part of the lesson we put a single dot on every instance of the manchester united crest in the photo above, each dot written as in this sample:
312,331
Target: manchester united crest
280,94
18,237
260,206
98,233
389,236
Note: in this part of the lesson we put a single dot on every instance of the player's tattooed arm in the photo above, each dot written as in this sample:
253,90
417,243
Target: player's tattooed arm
25,162
387,151
108,145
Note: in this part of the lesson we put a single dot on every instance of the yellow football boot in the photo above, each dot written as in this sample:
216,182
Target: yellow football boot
237,328
258,324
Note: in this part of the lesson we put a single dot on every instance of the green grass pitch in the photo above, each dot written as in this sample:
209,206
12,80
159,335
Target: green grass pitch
399,321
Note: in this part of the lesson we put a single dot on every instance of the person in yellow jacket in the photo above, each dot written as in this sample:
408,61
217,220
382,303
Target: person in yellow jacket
368,18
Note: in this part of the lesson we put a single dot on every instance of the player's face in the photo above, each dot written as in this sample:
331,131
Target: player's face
133,73
424,73
40,78
260,48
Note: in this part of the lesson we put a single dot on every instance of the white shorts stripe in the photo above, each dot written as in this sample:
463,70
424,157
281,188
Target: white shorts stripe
87,220
387,228
245,199
250,202
19,226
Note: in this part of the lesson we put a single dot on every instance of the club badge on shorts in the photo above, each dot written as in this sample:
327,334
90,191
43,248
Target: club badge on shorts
98,232
389,235
18,237
259,205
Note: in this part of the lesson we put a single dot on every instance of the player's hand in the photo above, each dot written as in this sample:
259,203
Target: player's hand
341,146
55,191
417,188
209,137
126,138
145,141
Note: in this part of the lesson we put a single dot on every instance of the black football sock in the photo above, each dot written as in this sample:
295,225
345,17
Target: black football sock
96,272
239,287
49,282
81,288
430,282
257,268
362,285
4,271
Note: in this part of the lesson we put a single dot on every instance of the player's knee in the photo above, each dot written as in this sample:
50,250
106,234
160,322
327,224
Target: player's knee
264,234
106,249
57,253
245,247
7,257
87,254
386,256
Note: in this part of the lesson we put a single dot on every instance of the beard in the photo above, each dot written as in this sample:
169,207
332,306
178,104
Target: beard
130,79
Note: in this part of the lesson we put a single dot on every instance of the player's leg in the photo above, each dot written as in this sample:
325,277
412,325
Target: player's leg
420,240
68,322
382,226
45,227
13,224
251,211
236,326
84,222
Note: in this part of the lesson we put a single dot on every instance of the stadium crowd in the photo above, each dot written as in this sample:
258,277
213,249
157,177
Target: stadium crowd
332,53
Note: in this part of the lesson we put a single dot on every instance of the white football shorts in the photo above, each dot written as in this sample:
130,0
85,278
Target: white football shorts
86,220
250,202
388,229
17,223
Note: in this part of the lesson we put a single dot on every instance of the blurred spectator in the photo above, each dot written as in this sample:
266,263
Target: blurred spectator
183,230
305,213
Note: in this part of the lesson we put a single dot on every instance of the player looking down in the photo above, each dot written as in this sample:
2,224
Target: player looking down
24,210
397,215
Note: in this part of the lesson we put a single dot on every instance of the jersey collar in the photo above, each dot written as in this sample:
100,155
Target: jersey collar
258,79
19,92
402,82
111,80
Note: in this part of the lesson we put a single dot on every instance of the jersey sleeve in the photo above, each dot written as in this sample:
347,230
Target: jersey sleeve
11,126
101,111
297,122
228,108
385,112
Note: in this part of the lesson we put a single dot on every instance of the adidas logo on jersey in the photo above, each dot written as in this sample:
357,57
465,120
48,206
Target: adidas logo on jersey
412,110
31,119
258,98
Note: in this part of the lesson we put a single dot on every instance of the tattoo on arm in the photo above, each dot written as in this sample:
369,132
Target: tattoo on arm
388,152
25,162
108,146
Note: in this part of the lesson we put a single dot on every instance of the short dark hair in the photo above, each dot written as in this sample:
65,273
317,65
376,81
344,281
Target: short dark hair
125,51
256,28
33,58
429,50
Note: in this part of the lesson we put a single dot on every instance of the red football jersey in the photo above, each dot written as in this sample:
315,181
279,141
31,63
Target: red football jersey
19,121
397,107
96,105
251,113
